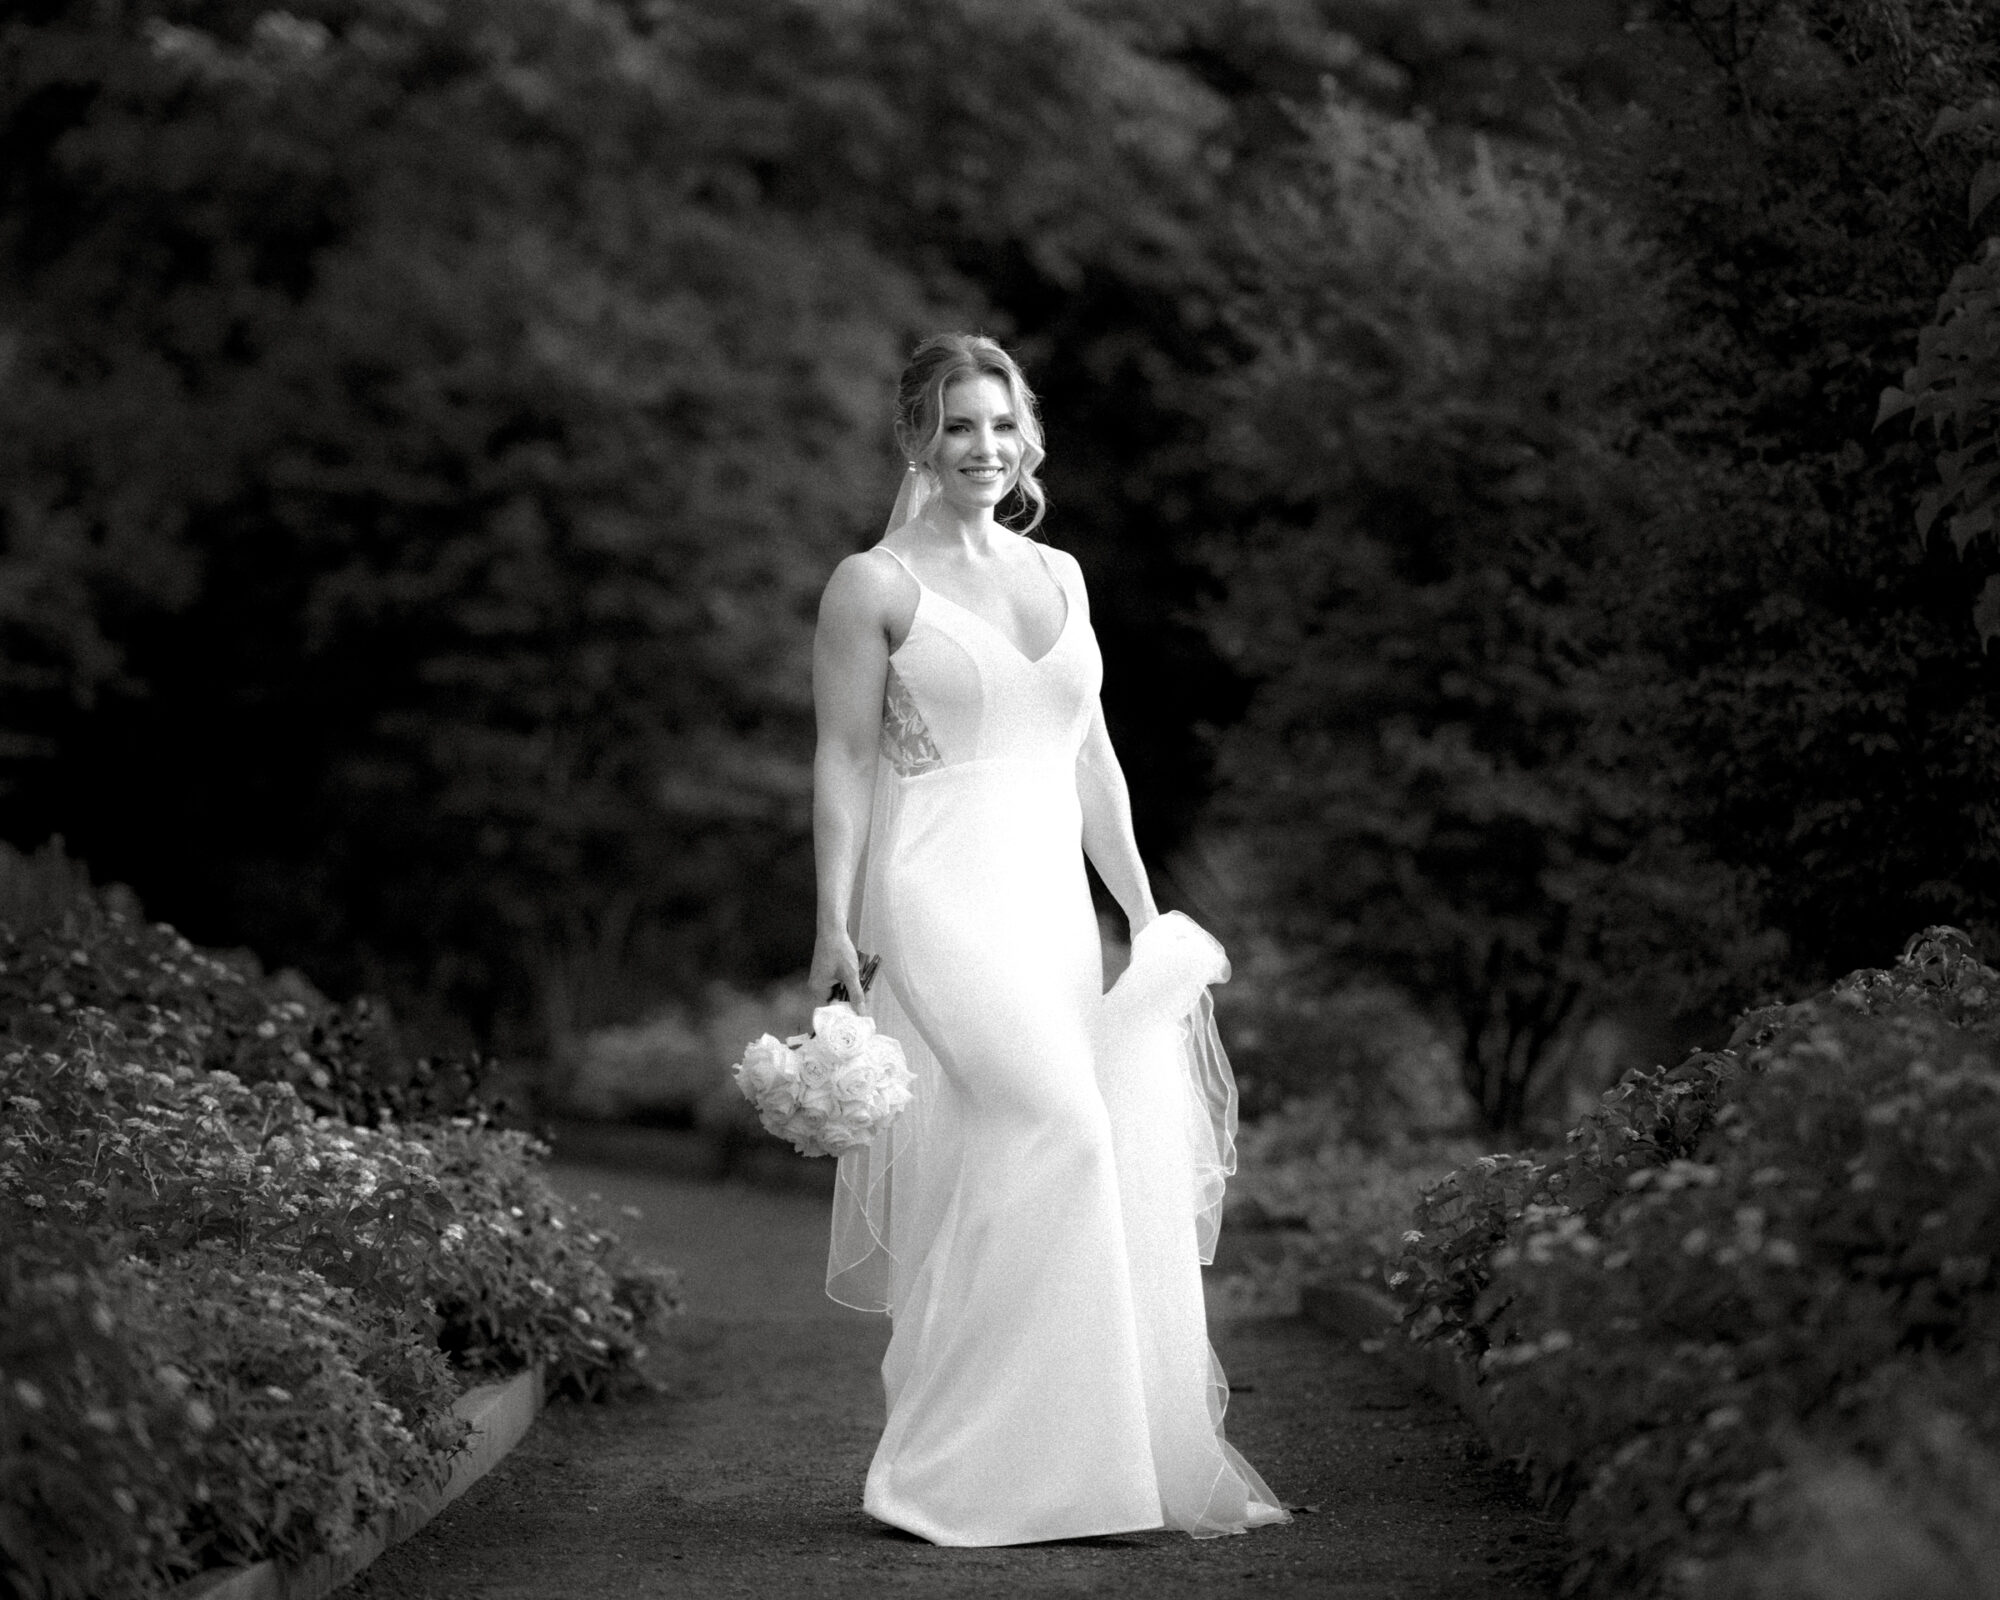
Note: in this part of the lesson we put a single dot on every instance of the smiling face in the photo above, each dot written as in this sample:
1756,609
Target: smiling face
979,448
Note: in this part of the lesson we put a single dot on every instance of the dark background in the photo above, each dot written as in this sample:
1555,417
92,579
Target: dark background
425,430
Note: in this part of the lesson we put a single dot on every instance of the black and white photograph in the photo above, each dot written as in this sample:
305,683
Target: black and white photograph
1179,799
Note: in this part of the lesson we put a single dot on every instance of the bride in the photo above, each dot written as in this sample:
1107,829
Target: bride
1034,1224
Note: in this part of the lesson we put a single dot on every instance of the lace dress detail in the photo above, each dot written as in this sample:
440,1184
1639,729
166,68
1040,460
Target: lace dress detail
907,744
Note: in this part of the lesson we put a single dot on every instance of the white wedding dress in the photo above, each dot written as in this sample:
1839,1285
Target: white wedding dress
1035,1223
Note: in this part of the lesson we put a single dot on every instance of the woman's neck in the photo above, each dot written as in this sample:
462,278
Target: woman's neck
974,530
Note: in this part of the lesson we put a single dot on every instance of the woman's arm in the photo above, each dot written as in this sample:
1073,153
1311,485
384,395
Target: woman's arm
850,667
1107,825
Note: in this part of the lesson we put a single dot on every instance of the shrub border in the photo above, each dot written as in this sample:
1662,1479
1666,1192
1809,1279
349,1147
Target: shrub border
500,1415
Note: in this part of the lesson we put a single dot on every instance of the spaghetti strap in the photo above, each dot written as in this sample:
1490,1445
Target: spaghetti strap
1069,599
1055,576
919,582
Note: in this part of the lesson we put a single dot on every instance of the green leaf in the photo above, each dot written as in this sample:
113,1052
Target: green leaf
1929,506
1970,525
1986,612
1955,119
1894,403
1985,186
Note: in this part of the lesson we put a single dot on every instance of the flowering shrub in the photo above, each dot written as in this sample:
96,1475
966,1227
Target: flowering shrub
1651,1117
1765,1273
229,1408
524,1277
342,1059
229,1320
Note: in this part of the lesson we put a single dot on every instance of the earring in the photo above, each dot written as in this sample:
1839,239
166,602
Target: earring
913,466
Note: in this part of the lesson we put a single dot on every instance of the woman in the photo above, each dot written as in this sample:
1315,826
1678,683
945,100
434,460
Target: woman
1030,1224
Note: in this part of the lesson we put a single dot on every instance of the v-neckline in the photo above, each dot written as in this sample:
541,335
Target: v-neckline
1062,632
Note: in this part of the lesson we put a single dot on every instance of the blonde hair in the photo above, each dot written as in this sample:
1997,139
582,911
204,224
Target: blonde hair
945,359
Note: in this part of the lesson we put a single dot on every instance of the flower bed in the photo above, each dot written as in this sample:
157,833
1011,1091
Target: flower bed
344,1060
232,1323
1745,1328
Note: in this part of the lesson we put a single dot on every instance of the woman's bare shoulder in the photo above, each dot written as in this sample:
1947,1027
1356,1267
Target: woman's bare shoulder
1062,558
1069,569
868,586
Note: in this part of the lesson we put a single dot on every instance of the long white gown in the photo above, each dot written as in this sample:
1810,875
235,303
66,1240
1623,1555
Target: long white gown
1035,1223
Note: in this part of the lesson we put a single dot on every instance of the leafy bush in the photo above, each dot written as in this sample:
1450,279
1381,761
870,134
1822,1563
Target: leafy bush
1920,1516
1955,384
1747,1283
159,1418
343,1059
165,1158
228,1318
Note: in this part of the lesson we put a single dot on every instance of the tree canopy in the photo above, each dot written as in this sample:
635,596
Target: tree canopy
426,425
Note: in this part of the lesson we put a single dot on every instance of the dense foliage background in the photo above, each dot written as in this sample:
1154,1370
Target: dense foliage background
425,428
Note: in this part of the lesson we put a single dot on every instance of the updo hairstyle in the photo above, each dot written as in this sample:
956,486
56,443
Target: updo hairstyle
944,359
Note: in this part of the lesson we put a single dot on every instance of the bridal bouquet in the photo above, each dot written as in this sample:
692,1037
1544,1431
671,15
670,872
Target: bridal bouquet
828,1091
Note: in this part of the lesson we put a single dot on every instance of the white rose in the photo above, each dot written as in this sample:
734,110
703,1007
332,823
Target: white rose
766,1063
854,1079
816,1064
777,1123
817,1099
841,1031
782,1097
839,1141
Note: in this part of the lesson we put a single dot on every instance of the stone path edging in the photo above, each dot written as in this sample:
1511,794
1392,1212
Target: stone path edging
1368,1315
500,1414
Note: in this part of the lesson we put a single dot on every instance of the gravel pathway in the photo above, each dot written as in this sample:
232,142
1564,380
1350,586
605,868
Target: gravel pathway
744,1476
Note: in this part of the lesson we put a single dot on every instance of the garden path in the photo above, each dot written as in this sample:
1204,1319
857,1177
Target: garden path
743,1476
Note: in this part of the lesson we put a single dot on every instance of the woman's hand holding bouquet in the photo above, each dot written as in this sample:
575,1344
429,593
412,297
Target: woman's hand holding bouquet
831,1090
